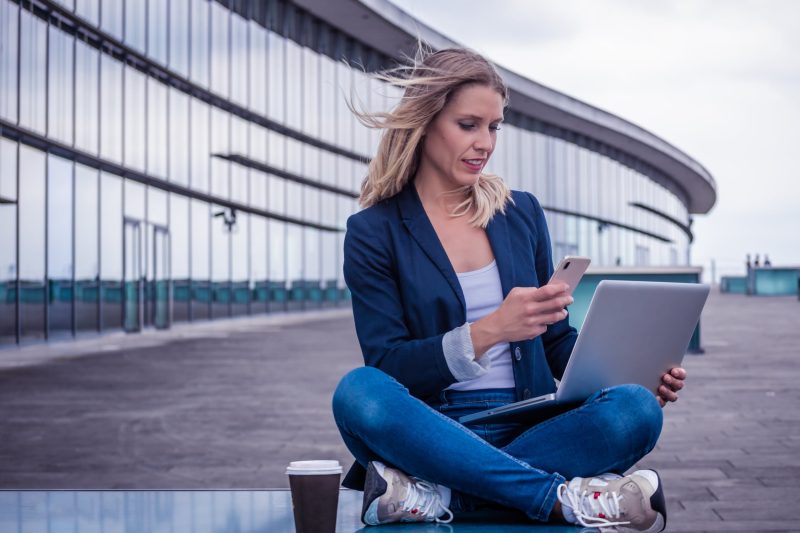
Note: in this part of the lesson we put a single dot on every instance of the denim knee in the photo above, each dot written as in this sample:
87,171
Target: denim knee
638,415
358,399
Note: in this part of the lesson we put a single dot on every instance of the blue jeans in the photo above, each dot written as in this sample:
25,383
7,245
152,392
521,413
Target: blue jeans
516,466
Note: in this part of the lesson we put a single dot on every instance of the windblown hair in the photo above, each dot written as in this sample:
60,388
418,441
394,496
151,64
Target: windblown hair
429,83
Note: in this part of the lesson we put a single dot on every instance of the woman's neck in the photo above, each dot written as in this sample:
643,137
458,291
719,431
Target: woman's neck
437,199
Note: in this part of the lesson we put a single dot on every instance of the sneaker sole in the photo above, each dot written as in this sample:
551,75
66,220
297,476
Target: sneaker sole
658,504
374,487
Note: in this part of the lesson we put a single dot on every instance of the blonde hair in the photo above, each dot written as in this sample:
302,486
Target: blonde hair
429,84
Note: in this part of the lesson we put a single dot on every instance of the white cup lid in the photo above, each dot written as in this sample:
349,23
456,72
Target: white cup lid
313,468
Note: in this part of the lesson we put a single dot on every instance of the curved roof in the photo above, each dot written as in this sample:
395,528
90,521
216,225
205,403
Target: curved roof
387,28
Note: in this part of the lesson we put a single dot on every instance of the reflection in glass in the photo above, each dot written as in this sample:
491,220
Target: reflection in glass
135,142
133,246
111,251
32,249
32,86
59,245
199,146
87,290
9,28
59,112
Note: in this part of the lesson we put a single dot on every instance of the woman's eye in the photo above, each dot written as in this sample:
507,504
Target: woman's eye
494,128
466,126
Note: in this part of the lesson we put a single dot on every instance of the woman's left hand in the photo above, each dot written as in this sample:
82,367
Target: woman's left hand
671,383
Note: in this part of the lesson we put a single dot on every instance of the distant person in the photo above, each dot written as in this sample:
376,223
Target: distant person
767,262
447,269
757,262
618,261
748,265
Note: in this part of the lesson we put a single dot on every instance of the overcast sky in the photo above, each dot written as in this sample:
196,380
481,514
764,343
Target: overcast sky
719,79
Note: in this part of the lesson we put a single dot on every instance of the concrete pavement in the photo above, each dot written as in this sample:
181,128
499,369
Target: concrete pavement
228,404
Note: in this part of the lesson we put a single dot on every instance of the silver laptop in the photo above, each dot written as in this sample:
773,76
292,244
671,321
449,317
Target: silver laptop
634,332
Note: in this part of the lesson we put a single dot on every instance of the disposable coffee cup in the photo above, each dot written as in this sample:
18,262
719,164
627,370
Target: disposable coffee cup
315,495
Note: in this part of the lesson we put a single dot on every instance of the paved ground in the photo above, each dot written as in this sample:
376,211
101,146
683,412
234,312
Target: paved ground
223,405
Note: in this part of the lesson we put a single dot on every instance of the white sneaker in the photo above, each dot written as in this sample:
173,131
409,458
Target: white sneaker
626,504
392,496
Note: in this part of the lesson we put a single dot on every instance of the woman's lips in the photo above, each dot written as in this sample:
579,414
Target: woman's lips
473,166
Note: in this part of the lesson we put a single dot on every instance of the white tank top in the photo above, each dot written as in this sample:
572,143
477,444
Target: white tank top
483,294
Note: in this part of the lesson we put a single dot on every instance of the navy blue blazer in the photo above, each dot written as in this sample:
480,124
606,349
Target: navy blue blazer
406,295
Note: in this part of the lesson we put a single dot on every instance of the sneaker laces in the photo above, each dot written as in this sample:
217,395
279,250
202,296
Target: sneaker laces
424,497
591,509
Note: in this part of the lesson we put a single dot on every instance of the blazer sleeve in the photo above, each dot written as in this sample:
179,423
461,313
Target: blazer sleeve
559,339
386,343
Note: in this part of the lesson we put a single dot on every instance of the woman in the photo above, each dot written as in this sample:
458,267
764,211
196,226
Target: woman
447,268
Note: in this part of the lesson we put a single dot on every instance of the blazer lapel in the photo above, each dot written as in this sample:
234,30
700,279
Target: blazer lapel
497,231
421,230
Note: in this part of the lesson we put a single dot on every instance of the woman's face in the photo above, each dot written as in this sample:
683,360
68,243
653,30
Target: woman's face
460,139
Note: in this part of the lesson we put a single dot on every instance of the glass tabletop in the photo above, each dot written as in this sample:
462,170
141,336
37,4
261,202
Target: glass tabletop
200,511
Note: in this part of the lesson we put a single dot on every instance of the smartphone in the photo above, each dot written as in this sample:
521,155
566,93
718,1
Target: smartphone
570,271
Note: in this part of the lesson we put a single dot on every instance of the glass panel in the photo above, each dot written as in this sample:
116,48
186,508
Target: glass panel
199,147
179,36
111,235
161,275
59,112
239,60
133,246
259,77
294,81
222,224
136,24
240,278
312,272
178,137
277,265
33,56
220,177
277,78
199,42
87,268
220,25
259,287
8,242
9,39
111,17
86,97
111,108
88,10
157,16
59,244
201,288
294,266
179,258
32,248
156,128
135,142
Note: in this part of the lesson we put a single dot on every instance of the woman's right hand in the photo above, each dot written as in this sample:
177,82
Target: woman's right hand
524,314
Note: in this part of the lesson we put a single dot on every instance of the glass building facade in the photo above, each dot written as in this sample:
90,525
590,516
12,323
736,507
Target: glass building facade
168,161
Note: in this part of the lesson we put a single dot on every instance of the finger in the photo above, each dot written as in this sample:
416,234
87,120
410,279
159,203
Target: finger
661,401
549,291
673,383
678,372
667,394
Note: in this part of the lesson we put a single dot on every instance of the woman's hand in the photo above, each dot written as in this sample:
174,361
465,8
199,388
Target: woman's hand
524,314
671,383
